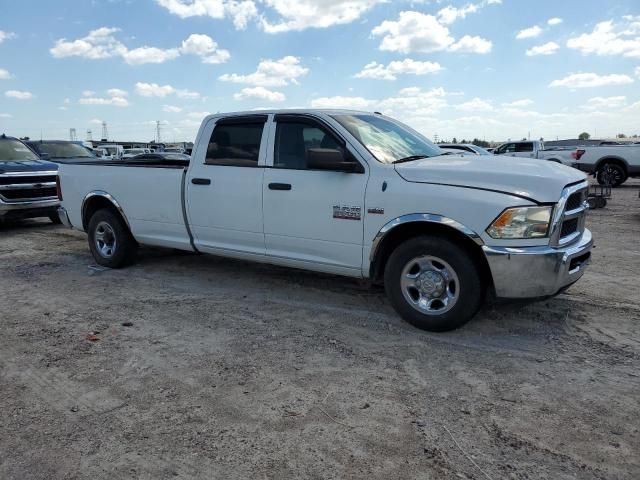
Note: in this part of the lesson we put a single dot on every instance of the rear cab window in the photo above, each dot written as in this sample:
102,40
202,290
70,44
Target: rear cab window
235,141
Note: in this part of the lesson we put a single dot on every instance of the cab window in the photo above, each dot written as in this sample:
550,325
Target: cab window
295,141
235,143
524,147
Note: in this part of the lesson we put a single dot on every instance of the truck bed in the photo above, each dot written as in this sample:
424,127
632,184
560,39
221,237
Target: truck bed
150,194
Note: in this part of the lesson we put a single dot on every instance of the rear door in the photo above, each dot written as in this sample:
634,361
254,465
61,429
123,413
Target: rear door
312,217
224,186
524,149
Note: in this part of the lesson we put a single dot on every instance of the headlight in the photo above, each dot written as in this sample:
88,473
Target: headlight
521,222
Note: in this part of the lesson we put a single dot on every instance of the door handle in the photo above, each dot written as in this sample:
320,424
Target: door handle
279,186
201,181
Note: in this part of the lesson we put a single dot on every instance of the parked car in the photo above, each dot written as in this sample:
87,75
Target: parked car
174,150
535,149
348,193
611,165
463,148
27,183
132,152
113,151
61,150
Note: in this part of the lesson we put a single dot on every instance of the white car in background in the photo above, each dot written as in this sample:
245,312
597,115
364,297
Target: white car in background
132,152
536,149
463,148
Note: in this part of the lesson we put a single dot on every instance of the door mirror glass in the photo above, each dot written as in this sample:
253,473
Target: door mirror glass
44,156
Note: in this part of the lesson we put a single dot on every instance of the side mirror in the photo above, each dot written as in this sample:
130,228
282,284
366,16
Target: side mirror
45,156
331,159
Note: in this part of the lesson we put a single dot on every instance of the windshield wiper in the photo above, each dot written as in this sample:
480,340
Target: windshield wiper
410,158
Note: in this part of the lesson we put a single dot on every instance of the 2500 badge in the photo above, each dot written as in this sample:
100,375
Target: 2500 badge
346,212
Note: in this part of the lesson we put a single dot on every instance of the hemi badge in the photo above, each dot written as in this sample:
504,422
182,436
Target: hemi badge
376,211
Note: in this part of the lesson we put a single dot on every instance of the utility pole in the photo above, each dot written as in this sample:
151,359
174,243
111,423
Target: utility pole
436,138
105,132
72,135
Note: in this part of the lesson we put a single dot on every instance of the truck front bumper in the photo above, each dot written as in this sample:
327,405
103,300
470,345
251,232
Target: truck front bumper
532,272
31,209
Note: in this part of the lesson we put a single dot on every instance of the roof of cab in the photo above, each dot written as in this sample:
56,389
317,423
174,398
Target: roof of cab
300,111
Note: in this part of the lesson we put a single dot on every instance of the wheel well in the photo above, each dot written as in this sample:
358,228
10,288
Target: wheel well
613,160
94,204
407,231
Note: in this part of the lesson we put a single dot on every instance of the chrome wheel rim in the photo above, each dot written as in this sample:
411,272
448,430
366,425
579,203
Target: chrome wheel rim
105,240
430,285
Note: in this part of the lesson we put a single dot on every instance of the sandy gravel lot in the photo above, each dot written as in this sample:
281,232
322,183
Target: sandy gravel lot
233,370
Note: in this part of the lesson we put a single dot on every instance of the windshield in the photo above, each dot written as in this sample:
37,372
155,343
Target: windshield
14,150
481,150
64,150
387,141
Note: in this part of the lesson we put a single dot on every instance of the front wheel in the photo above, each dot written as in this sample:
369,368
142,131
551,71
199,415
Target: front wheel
433,283
611,174
110,241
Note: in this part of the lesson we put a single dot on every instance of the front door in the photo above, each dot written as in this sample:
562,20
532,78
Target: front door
224,187
312,215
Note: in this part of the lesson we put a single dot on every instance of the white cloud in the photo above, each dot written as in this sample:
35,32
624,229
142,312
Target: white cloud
241,11
413,32
303,14
398,67
609,38
259,93
469,44
204,47
525,102
102,43
414,101
587,80
6,115
601,103
19,94
637,72
450,14
4,74
530,32
154,90
356,103
6,36
421,33
171,109
554,21
115,97
475,105
271,73
143,55
546,49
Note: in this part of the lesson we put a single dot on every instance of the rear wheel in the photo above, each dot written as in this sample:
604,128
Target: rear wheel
110,241
611,174
433,283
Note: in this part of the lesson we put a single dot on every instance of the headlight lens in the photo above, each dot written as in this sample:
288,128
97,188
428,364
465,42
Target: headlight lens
521,223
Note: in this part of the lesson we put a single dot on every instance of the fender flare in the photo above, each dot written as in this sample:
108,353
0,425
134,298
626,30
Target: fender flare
106,196
416,218
615,158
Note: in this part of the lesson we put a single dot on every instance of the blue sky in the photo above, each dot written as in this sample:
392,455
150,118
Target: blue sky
493,69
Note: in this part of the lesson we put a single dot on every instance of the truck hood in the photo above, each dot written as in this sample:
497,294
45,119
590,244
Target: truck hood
26,166
539,180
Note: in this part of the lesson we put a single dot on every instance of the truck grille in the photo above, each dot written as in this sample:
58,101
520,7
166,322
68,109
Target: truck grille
24,187
571,222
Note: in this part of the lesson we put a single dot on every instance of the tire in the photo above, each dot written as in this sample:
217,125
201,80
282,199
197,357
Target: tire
55,219
110,240
439,272
611,174
601,202
593,203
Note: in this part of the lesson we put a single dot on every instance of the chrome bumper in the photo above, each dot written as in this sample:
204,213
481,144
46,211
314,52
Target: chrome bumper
6,207
532,272
64,217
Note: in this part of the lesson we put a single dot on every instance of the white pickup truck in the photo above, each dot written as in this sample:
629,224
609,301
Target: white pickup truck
536,149
348,193
611,164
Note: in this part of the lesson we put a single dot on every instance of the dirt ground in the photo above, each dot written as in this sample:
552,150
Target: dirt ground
187,366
